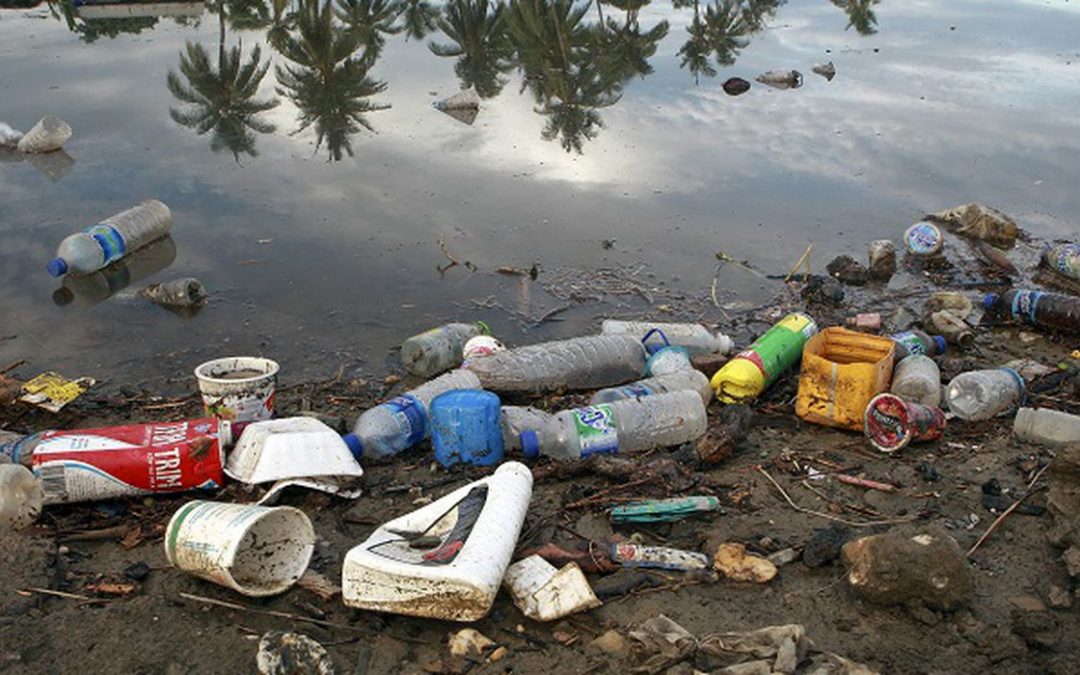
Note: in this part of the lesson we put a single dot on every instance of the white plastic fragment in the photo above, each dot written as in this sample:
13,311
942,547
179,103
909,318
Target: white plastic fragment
545,593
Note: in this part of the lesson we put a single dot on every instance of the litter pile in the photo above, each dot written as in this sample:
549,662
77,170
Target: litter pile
588,470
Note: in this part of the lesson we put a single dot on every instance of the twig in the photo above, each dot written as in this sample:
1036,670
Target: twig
271,612
827,516
805,257
12,366
605,494
103,534
70,596
453,261
1005,514
849,507
865,483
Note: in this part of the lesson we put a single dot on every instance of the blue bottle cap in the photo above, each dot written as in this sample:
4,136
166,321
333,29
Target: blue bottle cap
530,444
57,267
989,300
354,444
942,346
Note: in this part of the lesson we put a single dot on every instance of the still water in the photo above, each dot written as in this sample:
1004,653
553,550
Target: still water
318,194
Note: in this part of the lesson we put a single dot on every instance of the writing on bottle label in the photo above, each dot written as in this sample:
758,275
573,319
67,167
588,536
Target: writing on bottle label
410,416
596,429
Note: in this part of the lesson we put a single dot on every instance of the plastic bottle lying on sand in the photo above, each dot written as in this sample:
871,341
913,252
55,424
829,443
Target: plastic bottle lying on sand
917,342
917,379
20,497
402,422
439,349
1046,427
683,380
98,245
752,371
626,426
586,362
983,394
1053,311
696,338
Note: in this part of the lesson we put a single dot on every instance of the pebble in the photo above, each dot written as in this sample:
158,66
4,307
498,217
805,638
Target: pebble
1058,597
611,642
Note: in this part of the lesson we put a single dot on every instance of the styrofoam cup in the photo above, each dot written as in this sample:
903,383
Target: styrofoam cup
255,550
238,399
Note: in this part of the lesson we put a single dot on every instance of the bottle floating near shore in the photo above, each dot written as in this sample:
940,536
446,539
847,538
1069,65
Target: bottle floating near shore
98,245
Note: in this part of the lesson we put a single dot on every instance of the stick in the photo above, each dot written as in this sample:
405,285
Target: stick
604,494
59,594
106,533
1005,514
864,482
798,263
271,612
827,516
12,366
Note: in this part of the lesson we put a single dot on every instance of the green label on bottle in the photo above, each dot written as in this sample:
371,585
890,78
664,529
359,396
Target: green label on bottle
596,429
781,346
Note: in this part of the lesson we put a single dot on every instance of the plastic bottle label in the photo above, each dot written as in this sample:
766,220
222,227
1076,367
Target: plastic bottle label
410,416
110,241
596,429
636,390
1065,259
911,342
1024,304
923,239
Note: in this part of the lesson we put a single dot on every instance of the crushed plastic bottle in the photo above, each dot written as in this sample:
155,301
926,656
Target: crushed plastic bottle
752,371
1046,427
683,380
439,349
579,363
1052,311
696,338
20,497
626,426
984,394
917,379
185,292
98,245
402,422
917,342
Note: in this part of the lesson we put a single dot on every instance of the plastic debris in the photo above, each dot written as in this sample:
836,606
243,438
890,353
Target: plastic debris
826,70
891,422
186,292
110,240
658,557
439,349
733,562
781,79
1063,259
841,371
238,388
48,135
465,428
292,654
9,136
976,221
469,642
751,372
923,239
545,593
664,510
21,497
464,99
52,391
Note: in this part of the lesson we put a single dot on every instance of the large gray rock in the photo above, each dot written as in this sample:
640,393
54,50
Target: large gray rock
906,566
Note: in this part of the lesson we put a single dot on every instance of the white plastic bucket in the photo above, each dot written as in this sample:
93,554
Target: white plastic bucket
255,550
238,388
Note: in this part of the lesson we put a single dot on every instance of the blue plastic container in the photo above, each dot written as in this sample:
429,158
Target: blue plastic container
465,428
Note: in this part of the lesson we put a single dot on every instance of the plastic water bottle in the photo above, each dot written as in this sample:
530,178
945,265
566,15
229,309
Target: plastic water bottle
983,394
98,245
952,328
696,338
516,420
402,422
1053,311
626,426
580,363
1047,427
683,380
752,371
917,342
439,349
917,379
21,497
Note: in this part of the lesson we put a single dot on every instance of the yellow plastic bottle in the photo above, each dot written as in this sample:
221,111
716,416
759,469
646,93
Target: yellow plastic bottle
751,372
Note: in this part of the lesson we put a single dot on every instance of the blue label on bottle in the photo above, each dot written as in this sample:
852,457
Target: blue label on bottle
1024,304
636,391
411,418
910,341
110,241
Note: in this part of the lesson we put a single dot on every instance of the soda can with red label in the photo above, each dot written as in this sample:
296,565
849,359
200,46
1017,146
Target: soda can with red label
891,422
92,464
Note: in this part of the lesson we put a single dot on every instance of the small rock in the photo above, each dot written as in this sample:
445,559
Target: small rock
733,562
848,270
611,643
469,641
391,380
901,567
498,654
1028,603
1058,597
290,653
824,547
783,557
1038,629
137,571
1071,558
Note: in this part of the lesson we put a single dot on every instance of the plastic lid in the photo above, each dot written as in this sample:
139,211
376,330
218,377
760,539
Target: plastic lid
530,444
57,267
990,299
354,444
942,346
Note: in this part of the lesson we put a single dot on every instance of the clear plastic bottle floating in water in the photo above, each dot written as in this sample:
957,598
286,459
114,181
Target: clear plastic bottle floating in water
1053,311
696,338
626,426
579,363
752,371
983,394
402,422
683,380
98,245
439,349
